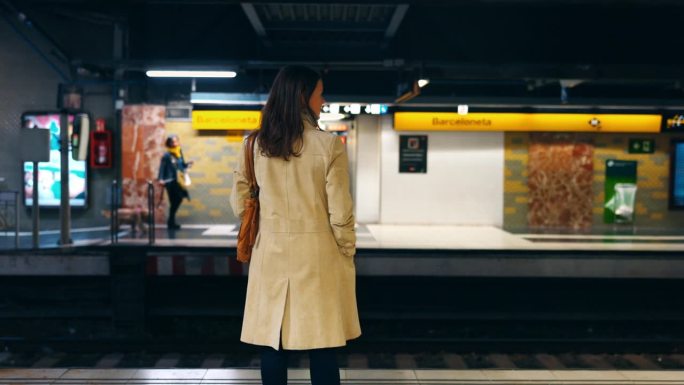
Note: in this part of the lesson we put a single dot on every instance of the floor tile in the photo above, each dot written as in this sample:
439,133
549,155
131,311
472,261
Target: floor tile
380,374
519,375
649,375
232,374
164,374
437,374
586,375
31,373
85,374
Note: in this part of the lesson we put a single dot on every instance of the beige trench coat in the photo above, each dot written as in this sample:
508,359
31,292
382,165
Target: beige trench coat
301,287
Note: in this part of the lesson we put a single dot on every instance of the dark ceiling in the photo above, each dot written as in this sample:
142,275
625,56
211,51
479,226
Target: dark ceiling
508,49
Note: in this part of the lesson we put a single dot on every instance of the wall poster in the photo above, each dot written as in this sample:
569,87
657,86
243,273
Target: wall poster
620,191
413,153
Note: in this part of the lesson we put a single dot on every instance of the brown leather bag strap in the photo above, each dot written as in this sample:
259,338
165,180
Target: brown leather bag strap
249,164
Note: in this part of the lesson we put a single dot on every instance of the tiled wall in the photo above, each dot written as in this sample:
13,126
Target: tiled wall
215,155
653,180
29,83
516,192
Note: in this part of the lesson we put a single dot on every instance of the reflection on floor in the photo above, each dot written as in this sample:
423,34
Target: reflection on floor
348,376
377,236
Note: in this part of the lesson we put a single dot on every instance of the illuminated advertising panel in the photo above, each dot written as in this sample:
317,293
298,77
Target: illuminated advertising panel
49,173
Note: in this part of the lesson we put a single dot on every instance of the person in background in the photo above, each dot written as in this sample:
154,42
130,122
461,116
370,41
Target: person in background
172,175
301,291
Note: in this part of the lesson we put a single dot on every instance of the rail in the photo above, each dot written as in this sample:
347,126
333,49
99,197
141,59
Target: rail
9,204
151,222
114,213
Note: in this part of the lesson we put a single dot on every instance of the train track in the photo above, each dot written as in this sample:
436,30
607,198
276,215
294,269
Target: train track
430,322
47,358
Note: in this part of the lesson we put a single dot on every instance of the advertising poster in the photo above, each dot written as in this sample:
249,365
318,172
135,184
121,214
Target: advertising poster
620,191
49,173
413,153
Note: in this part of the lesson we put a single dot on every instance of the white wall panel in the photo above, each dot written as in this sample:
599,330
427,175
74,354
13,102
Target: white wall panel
463,183
367,169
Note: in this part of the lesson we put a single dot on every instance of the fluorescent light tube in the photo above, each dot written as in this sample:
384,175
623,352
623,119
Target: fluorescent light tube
190,74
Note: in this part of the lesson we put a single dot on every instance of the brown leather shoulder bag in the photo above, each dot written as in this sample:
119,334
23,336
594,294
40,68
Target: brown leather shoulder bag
249,227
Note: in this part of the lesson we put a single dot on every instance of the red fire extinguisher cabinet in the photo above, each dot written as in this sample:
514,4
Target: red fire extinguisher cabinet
100,149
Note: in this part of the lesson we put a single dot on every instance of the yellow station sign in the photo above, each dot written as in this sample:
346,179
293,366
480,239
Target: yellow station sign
446,121
226,120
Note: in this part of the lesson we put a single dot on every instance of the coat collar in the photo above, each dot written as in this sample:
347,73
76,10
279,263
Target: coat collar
308,123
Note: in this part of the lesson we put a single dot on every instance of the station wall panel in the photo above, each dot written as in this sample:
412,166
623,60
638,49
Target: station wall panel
463,183
652,171
215,156
142,146
29,83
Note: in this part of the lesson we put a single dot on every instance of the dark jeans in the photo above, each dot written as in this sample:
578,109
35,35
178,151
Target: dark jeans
176,194
324,369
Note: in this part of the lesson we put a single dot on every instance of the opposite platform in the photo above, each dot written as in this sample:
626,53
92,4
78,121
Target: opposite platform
392,237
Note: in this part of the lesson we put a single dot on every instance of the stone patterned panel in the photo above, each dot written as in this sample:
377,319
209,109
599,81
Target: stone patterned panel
560,180
142,145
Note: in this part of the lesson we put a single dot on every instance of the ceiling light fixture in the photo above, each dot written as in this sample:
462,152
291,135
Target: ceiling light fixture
190,74
463,109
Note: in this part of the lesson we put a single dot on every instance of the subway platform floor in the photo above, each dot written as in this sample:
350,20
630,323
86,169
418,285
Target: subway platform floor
383,236
348,376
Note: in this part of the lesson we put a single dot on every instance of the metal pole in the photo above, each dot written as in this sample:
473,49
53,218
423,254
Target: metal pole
16,219
114,217
64,208
153,215
116,212
150,210
112,229
36,209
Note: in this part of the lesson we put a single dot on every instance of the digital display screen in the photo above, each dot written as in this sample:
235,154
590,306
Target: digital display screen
677,177
49,173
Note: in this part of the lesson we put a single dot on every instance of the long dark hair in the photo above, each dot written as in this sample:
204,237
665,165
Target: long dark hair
282,119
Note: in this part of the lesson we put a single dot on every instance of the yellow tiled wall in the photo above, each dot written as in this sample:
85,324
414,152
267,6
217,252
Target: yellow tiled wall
653,173
515,179
215,155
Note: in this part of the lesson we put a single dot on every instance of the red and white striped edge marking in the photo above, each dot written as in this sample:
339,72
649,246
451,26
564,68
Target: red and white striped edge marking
194,264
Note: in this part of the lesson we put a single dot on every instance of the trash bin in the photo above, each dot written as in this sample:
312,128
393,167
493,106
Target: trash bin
625,197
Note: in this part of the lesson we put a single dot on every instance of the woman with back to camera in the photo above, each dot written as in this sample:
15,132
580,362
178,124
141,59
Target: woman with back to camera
301,289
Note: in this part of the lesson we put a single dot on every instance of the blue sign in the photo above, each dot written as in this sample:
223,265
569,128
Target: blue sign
677,197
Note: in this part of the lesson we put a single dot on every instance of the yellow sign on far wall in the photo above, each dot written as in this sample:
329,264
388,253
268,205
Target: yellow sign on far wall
226,120
446,121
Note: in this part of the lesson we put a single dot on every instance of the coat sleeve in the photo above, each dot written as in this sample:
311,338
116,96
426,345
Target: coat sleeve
162,168
185,164
240,190
340,207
